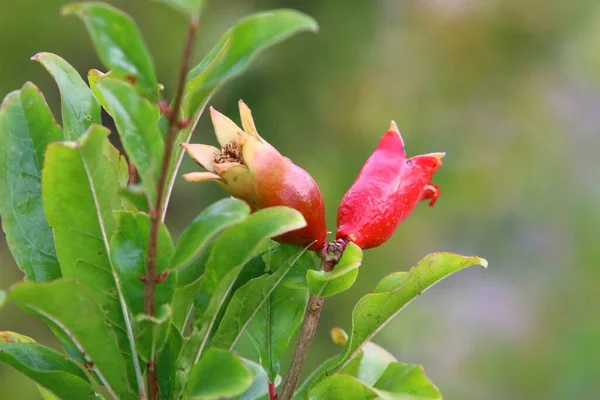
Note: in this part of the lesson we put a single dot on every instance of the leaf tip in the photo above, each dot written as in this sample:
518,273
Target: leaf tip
483,262
70,9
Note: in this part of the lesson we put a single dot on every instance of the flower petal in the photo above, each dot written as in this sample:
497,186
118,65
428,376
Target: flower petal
225,129
202,154
202,177
431,192
247,120
224,167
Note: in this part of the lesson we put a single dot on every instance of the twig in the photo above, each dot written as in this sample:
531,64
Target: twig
174,125
330,256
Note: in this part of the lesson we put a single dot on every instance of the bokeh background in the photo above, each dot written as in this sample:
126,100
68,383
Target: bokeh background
510,89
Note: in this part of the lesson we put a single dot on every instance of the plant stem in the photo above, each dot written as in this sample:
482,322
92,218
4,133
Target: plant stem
151,278
330,256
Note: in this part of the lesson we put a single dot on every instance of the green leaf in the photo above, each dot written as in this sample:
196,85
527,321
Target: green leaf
129,250
231,56
80,109
135,118
26,128
341,278
166,365
81,183
45,366
280,256
119,44
230,252
350,388
68,305
135,197
375,310
48,395
275,324
260,385
182,303
370,364
252,299
302,390
219,374
189,8
408,379
212,221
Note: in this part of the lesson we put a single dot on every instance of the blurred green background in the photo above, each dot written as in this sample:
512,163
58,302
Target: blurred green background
510,89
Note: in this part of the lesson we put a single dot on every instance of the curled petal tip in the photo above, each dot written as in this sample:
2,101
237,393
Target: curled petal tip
394,127
223,167
431,192
247,120
202,177
439,156
202,154
225,129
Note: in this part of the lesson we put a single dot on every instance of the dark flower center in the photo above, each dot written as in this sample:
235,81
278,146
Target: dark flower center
229,153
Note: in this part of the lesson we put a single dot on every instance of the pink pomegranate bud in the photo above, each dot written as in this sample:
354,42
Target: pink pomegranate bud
388,188
252,170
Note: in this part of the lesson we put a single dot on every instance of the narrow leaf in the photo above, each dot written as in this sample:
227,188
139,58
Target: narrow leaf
341,278
119,44
80,109
81,183
231,251
129,250
135,118
212,221
375,310
231,56
250,300
166,365
26,128
69,306
219,374
260,385
409,379
189,8
45,366
275,324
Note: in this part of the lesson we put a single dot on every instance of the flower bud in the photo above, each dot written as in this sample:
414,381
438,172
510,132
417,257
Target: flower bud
249,168
388,188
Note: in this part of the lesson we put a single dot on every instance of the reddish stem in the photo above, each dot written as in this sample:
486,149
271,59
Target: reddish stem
151,278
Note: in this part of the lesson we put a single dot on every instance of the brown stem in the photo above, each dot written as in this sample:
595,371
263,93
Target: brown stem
151,278
330,256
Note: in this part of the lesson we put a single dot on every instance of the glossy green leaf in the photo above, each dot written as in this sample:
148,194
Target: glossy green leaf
230,252
189,8
129,251
26,128
135,118
252,299
166,365
375,310
341,278
350,388
68,305
260,384
81,182
80,109
205,227
409,379
231,56
301,392
275,324
370,363
45,366
280,255
219,374
135,197
182,303
234,248
48,395
119,44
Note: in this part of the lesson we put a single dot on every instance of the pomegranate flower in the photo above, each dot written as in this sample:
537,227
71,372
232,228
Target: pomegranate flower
388,188
252,170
